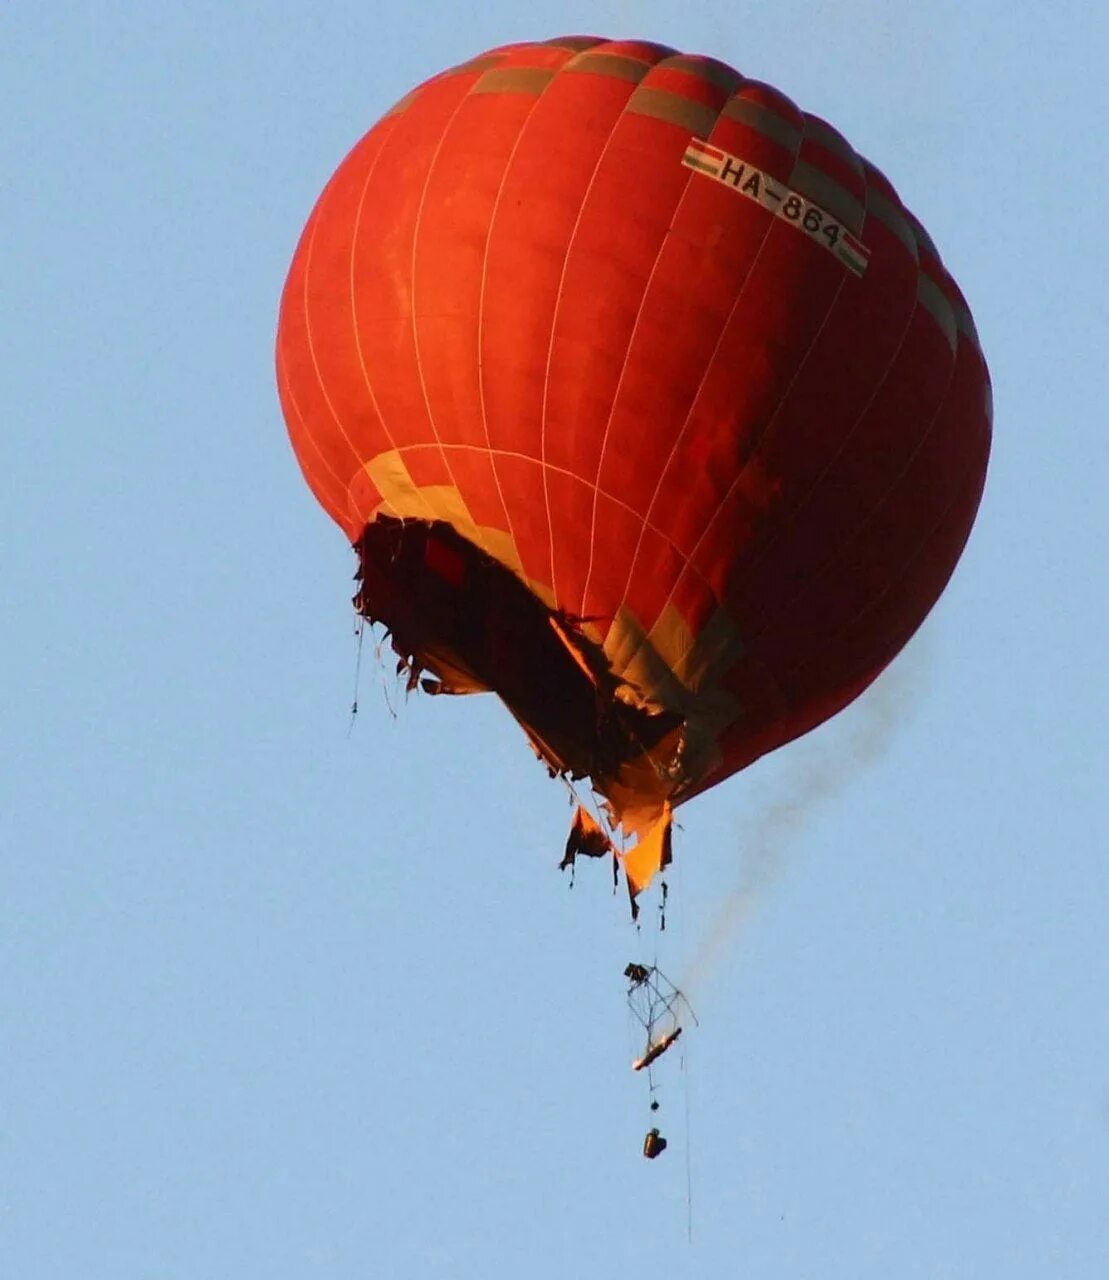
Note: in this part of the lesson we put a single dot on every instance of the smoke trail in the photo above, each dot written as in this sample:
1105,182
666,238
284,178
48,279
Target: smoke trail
818,770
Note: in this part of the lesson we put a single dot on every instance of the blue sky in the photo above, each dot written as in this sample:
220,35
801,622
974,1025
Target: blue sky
277,1001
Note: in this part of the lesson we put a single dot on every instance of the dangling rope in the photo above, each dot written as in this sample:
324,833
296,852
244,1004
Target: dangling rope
358,631
688,1158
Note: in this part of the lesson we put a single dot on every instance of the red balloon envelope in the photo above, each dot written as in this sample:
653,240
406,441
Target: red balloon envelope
645,403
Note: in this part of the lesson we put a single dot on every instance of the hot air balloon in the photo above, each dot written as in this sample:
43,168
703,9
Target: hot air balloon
645,404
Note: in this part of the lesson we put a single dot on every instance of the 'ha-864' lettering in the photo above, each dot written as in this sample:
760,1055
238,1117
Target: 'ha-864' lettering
779,200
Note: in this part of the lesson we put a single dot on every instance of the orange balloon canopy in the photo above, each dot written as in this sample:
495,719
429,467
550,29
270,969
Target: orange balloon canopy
645,402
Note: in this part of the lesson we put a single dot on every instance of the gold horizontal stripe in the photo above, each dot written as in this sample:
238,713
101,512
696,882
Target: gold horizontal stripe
609,64
514,80
892,218
484,63
763,120
574,43
933,299
674,108
716,73
813,183
402,105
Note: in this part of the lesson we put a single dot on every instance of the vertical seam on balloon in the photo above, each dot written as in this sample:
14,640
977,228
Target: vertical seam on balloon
848,436
751,450
674,214
956,494
731,489
687,560
415,328
354,311
284,379
722,504
554,328
481,314
283,375
311,346
837,557
860,417
327,473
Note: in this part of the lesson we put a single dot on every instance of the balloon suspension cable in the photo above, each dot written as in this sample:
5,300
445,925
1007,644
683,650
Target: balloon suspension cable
359,631
568,783
688,1154
660,1009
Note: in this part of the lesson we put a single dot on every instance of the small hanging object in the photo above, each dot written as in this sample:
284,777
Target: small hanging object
658,1006
654,1144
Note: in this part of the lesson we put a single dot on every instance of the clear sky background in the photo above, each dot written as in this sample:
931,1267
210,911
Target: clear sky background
280,1002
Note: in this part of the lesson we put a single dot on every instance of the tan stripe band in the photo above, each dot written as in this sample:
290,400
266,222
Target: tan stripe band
483,63
762,120
609,64
964,322
932,298
825,136
828,193
695,117
716,73
892,218
574,43
514,80
402,105
922,236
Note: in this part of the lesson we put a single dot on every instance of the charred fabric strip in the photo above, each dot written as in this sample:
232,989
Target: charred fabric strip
587,837
454,610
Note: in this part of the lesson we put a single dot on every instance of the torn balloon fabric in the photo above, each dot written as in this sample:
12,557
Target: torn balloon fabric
646,404
586,837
